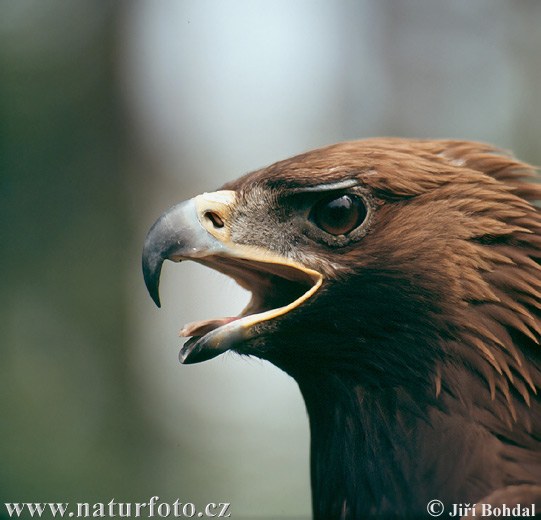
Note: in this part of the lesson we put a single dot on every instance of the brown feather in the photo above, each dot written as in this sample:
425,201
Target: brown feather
450,268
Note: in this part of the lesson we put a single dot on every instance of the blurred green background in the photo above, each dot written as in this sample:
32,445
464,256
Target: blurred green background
111,112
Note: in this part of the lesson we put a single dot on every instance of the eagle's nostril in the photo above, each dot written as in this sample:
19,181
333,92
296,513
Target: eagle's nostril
214,218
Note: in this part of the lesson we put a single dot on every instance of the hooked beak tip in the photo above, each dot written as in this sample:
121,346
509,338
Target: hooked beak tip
156,298
152,268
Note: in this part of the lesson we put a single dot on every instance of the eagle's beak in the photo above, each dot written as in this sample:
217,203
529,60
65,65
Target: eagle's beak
180,234
200,230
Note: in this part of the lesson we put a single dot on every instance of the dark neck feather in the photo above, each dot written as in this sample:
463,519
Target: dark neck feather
385,453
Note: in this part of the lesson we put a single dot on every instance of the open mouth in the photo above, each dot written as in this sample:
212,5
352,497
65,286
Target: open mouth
195,230
276,289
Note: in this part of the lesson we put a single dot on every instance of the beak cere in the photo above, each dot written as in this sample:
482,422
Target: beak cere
200,230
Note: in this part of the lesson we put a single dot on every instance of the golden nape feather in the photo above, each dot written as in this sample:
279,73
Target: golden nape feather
398,281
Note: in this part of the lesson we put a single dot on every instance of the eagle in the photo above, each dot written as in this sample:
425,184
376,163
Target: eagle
398,281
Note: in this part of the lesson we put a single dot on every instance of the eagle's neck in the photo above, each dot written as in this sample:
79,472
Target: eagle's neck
379,453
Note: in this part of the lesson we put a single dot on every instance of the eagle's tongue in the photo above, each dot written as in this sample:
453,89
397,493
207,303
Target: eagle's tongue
200,328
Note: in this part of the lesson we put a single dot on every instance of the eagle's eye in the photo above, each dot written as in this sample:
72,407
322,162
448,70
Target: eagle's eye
339,215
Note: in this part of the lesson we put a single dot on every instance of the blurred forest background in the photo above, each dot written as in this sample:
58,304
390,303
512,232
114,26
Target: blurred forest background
111,112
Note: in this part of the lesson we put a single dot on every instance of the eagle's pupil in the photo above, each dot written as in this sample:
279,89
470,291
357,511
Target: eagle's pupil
340,215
